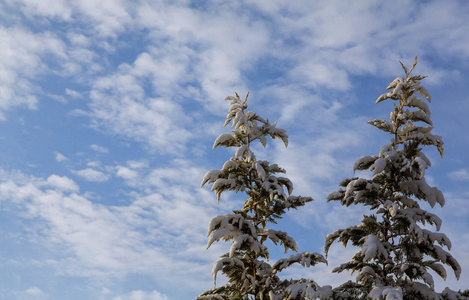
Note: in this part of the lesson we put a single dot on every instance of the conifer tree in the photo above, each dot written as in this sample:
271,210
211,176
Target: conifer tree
397,251
246,265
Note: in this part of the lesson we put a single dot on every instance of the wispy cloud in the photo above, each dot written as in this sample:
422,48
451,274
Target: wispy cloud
99,148
21,59
142,295
60,157
32,293
460,175
125,172
90,174
72,93
62,183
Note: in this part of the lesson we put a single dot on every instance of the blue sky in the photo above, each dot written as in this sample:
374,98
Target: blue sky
109,109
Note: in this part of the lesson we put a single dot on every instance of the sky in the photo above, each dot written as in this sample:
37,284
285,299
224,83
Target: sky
109,109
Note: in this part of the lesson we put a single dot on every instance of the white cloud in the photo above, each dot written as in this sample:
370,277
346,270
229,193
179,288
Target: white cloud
78,39
31,293
99,148
332,41
120,104
34,291
60,157
91,175
21,60
320,75
62,183
218,51
460,175
126,173
94,164
312,158
137,164
55,8
72,93
456,204
142,295
106,18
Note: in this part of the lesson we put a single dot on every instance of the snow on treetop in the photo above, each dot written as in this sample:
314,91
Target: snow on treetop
385,293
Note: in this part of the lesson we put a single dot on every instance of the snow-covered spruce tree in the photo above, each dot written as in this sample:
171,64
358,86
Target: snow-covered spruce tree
246,265
396,248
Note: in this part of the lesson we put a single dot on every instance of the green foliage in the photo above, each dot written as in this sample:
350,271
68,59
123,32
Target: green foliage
351,291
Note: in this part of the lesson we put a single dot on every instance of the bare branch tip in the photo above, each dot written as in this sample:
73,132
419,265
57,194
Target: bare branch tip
404,67
413,65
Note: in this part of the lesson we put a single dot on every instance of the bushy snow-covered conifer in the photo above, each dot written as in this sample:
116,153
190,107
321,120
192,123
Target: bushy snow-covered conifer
397,248
246,265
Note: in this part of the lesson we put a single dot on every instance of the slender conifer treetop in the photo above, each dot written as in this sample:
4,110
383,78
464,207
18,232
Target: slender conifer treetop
246,265
397,249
